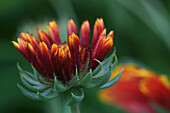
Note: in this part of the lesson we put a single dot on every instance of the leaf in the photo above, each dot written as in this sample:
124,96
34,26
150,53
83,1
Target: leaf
75,78
36,74
113,81
59,87
94,81
44,80
47,97
29,94
34,87
86,78
29,79
23,71
105,65
105,78
85,69
73,96
98,69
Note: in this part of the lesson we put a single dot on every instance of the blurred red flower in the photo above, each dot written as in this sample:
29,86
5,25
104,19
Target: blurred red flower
138,90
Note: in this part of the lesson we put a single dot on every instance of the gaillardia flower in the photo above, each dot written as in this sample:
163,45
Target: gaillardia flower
66,68
139,90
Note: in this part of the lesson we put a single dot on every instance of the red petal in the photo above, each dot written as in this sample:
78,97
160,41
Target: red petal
53,31
71,27
65,64
20,47
102,48
30,39
85,33
98,28
45,59
44,37
34,59
61,63
73,42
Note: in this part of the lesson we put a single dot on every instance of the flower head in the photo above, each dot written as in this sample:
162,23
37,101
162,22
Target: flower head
67,65
50,55
138,89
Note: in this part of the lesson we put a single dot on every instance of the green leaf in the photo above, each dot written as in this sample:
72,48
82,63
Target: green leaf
105,78
44,80
25,72
29,79
34,87
115,62
75,78
59,87
86,78
105,65
47,97
113,81
36,74
94,81
29,94
85,69
98,69
73,96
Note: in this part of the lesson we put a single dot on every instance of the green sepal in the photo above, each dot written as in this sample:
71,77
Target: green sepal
29,79
104,75
29,94
39,87
75,78
105,78
44,81
94,81
113,81
85,79
105,65
73,96
98,69
58,86
85,69
47,97
25,72
36,74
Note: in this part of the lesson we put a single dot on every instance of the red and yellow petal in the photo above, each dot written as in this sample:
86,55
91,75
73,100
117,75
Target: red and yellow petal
44,37
85,33
155,89
71,27
44,58
137,89
102,48
98,28
73,42
53,32
16,45
29,38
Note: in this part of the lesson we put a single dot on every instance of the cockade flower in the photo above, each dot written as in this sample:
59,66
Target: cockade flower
66,68
139,90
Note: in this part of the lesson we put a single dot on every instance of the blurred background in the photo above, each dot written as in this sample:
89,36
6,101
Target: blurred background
142,34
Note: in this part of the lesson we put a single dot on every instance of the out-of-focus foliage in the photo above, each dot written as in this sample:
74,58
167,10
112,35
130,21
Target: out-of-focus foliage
141,32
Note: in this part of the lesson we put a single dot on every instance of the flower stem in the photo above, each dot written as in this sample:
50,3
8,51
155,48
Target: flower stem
75,108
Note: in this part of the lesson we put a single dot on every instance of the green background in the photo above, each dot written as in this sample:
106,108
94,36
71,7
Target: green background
142,34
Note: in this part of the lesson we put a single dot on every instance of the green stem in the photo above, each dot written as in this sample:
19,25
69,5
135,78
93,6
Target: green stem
75,108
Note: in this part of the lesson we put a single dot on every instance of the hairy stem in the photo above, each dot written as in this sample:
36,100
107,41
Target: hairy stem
75,108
